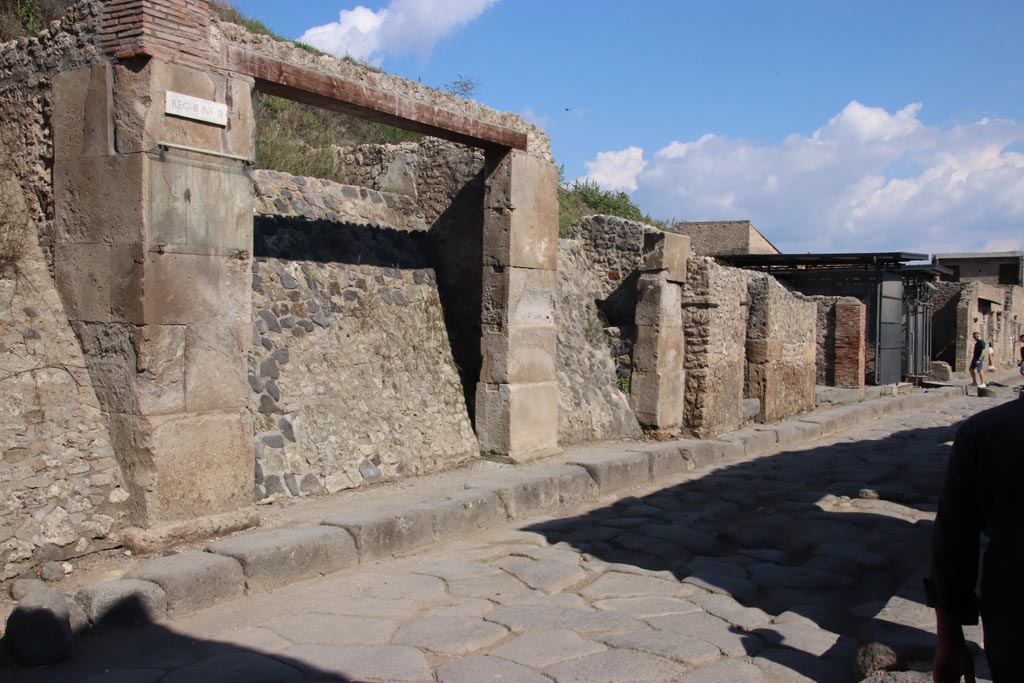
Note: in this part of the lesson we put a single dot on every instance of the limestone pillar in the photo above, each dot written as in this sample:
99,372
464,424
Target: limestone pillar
152,257
658,381
517,395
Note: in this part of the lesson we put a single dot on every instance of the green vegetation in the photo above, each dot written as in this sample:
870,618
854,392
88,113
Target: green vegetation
623,384
19,18
462,86
586,198
225,11
299,139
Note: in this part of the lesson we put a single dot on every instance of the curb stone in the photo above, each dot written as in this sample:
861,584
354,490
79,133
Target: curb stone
193,580
273,558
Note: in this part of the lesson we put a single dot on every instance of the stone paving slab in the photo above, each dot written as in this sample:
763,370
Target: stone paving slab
545,647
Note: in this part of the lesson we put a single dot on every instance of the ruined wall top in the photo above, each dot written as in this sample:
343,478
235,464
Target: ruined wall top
223,34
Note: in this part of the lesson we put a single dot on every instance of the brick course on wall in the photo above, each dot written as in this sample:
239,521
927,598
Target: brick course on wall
850,347
176,30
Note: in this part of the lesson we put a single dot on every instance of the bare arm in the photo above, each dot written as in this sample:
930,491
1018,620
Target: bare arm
952,658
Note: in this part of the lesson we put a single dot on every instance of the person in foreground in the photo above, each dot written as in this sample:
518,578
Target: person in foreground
980,495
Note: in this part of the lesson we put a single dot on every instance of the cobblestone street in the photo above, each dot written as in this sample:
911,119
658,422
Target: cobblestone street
771,568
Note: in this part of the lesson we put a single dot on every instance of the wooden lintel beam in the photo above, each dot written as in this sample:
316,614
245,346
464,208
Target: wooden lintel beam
276,77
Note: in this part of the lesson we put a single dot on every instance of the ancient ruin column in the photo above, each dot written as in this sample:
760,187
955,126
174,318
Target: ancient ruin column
850,343
658,381
152,256
517,396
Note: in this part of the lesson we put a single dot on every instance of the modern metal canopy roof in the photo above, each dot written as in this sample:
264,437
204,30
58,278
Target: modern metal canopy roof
892,259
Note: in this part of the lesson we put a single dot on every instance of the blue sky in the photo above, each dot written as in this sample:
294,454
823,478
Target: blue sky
833,126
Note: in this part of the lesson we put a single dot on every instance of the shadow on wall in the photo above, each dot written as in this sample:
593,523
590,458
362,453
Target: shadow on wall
456,240
777,534
453,247
323,241
128,648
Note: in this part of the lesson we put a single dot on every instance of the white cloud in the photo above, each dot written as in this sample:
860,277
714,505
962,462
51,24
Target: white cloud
616,170
866,180
401,27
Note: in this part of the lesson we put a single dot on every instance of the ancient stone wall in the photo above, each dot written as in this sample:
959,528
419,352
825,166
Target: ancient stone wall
351,373
1009,352
592,403
988,269
445,182
615,248
825,339
944,304
715,311
61,493
781,347
982,308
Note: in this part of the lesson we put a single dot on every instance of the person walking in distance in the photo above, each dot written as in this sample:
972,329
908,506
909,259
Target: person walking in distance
1021,340
978,361
980,495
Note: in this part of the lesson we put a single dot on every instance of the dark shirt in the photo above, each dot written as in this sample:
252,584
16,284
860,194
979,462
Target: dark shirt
979,349
981,494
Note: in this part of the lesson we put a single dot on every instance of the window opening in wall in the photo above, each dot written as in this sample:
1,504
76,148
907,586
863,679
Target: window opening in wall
1009,274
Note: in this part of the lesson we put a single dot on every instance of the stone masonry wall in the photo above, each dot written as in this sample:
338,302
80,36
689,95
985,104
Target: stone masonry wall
591,404
781,348
944,303
825,350
352,376
445,182
715,311
615,247
60,486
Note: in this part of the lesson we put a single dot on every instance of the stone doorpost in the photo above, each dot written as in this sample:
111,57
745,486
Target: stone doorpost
152,257
658,380
517,396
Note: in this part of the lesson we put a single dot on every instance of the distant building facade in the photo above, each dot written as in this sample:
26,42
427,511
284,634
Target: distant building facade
984,294
988,268
724,238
